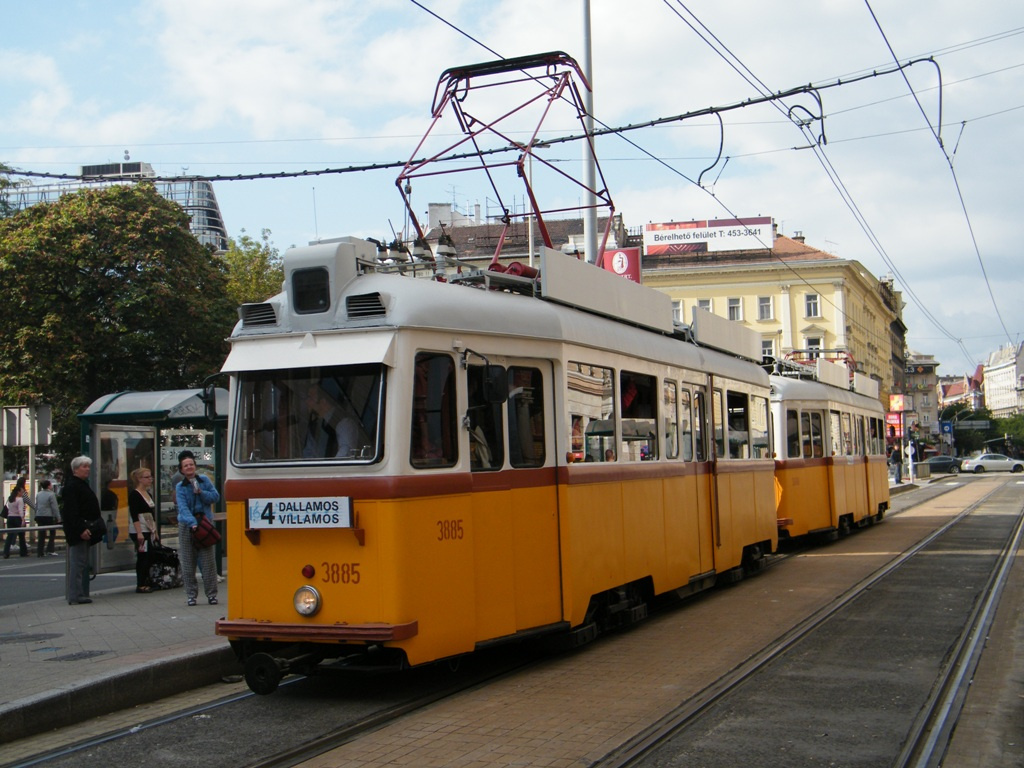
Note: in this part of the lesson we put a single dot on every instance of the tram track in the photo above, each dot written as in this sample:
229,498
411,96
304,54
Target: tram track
283,730
928,737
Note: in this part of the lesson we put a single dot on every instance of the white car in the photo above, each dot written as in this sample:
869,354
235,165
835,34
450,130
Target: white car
992,462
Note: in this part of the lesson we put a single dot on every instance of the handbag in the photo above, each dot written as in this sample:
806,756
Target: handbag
204,534
165,568
97,530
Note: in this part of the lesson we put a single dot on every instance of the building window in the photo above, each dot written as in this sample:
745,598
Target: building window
705,304
812,344
735,309
768,349
677,310
811,308
764,308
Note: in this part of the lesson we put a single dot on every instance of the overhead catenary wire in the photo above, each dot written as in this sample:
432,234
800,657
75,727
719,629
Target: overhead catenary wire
937,134
816,145
383,166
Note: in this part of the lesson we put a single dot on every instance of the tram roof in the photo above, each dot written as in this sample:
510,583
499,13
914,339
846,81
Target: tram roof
787,388
388,302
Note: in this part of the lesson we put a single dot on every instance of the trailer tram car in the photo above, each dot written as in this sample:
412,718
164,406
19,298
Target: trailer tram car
831,469
422,467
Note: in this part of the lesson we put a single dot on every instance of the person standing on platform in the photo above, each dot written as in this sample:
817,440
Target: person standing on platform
195,494
81,507
47,513
142,529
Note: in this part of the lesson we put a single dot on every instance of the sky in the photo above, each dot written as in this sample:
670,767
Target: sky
914,174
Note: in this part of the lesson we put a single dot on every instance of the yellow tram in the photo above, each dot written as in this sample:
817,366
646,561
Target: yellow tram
420,467
831,468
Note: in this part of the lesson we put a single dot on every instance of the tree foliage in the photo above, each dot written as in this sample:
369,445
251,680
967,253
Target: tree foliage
255,271
5,184
106,290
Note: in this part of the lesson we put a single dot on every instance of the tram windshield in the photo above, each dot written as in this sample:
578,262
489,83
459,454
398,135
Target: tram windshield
311,415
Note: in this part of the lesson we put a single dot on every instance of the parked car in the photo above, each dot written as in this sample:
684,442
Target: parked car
950,464
992,462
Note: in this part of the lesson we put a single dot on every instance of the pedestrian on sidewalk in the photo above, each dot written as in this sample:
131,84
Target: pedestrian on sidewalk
142,529
16,519
897,465
195,494
81,507
47,513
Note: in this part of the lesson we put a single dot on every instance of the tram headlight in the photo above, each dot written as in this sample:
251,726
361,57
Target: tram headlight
306,601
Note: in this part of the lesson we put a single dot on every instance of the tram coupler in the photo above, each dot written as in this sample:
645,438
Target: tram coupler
263,672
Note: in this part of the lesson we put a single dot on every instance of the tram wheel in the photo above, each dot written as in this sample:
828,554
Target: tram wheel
262,673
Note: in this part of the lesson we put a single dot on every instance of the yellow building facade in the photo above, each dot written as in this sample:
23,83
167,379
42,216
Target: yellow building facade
802,302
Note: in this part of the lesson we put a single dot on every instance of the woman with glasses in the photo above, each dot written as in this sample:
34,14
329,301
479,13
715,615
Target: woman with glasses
142,531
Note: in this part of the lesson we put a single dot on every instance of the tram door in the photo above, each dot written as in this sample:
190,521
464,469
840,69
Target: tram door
511,450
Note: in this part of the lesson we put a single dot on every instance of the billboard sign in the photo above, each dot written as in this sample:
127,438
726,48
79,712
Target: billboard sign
709,236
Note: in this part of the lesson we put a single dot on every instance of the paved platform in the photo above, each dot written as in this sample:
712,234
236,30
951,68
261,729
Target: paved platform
61,664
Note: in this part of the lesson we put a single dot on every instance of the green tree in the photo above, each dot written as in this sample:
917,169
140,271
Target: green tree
106,290
254,268
5,184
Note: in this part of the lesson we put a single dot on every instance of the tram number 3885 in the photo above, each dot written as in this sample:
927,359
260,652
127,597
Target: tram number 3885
340,573
449,530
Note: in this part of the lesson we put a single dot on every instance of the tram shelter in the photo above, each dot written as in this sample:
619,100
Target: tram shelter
127,430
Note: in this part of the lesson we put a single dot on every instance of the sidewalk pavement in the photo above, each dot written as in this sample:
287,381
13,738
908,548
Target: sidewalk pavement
61,664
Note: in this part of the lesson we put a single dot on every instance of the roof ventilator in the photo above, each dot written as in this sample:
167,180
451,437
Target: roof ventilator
257,314
365,305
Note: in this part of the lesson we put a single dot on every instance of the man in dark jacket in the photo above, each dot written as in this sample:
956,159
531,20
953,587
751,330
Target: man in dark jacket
81,507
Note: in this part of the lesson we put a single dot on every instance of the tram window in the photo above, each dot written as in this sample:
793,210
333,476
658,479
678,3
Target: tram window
834,434
847,444
738,421
817,436
639,426
793,435
718,418
877,437
810,429
486,434
858,436
592,398
526,436
433,434
759,442
331,413
700,419
686,422
670,418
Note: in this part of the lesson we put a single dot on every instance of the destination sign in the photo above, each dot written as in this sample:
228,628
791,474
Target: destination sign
319,512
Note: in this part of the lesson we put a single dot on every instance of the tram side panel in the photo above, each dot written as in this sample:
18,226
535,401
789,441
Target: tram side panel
877,483
495,554
590,531
516,561
433,566
746,510
688,542
804,500
536,566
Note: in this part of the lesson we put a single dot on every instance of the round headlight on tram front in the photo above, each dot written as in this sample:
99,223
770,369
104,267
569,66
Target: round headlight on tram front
306,601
